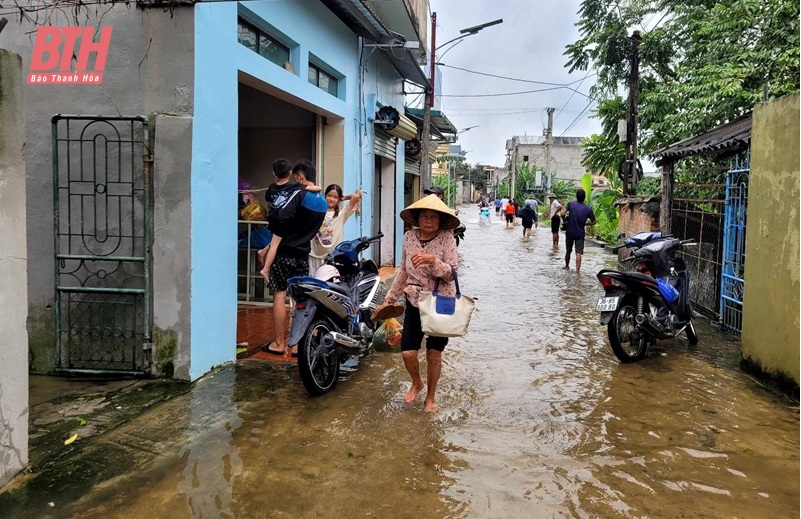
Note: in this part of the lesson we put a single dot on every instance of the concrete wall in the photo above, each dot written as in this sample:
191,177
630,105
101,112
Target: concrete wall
565,159
171,243
636,215
13,272
770,334
148,70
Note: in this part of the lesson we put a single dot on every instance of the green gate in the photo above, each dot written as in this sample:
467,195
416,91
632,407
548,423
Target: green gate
102,203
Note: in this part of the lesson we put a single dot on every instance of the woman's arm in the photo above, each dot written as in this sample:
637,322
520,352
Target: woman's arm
399,283
354,201
443,268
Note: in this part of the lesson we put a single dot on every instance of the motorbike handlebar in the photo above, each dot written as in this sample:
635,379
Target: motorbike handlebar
371,239
688,242
630,258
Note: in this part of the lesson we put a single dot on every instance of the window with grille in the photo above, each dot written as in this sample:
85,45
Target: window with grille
323,80
262,43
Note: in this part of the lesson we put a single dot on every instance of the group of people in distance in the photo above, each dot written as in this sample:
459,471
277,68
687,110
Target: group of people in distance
576,215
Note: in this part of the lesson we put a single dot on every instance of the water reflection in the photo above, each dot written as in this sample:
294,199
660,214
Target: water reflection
211,460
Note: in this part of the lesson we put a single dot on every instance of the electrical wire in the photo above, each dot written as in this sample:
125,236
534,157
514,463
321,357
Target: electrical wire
516,79
578,117
509,93
571,97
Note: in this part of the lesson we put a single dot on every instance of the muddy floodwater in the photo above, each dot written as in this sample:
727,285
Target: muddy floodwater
538,419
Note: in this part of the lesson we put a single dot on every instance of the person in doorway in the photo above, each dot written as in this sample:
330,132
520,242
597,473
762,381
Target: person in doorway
510,214
331,232
579,215
529,216
294,221
497,207
428,254
277,192
435,190
554,210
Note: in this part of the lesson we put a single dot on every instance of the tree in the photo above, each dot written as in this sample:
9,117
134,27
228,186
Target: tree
478,177
602,153
703,63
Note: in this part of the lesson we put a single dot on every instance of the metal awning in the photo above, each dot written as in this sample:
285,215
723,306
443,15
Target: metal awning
404,62
440,124
726,139
359,18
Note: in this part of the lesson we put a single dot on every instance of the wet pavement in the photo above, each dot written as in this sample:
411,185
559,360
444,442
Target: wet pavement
538,419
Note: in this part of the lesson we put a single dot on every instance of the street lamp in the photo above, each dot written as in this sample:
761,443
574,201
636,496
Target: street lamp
426,133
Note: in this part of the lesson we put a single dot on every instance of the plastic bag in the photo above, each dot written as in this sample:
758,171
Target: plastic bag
388,336
254,212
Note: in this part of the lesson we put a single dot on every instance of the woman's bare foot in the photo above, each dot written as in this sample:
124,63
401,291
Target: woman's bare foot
431,407
411,395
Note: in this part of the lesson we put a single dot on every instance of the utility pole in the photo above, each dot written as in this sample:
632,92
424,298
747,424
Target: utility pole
548,143
425,138
630,186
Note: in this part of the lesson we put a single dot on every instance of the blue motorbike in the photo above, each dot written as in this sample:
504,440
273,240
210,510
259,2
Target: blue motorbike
332,319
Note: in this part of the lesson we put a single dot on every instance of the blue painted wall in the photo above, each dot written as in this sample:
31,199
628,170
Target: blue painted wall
220,60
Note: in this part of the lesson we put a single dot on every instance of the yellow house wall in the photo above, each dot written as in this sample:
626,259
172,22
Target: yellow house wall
770,335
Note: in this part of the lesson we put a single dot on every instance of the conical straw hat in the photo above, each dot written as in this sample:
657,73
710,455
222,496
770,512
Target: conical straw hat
447,219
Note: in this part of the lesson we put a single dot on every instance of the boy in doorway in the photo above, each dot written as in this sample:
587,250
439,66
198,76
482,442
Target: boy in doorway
277,193
294,221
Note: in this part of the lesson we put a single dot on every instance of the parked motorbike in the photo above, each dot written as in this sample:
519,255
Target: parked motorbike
636,242
640,308
331,322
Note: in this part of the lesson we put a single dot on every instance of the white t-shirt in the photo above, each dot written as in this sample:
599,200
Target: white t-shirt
555,206
331,232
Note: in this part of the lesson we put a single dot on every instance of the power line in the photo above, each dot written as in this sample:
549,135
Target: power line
571,97
578,117
508,93
516,79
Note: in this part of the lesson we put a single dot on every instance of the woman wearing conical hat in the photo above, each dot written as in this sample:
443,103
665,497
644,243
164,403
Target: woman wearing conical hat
428,254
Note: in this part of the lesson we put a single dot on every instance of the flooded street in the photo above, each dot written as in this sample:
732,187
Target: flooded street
538,419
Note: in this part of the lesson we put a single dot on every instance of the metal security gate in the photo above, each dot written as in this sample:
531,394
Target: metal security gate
102,204
733,271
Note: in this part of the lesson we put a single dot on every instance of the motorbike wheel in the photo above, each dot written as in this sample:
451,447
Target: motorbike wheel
628,343
692,337
318,364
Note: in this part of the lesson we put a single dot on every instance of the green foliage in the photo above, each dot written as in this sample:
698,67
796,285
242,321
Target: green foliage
448,184
702,62
649,186
602,154
586,183
525,181
503,189
606,214
564,190
477,176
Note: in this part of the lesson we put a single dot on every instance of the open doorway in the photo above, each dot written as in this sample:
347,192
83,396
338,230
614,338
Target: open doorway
269,128
384,210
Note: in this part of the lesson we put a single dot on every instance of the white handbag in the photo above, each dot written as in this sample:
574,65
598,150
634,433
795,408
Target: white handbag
445,316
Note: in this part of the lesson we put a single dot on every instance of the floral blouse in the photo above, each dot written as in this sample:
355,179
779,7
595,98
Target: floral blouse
410,280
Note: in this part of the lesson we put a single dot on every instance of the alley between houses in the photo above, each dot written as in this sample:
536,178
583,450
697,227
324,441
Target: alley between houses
538,420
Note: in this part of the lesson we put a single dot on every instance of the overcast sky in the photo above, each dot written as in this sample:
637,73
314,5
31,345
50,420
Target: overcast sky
529,44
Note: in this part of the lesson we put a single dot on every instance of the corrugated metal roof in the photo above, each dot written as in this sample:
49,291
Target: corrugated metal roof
726,139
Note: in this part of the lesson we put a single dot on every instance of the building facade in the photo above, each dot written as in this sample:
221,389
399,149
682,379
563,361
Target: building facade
195,101
565,161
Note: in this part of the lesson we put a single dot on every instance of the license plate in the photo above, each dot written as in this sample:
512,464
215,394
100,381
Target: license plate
607,304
